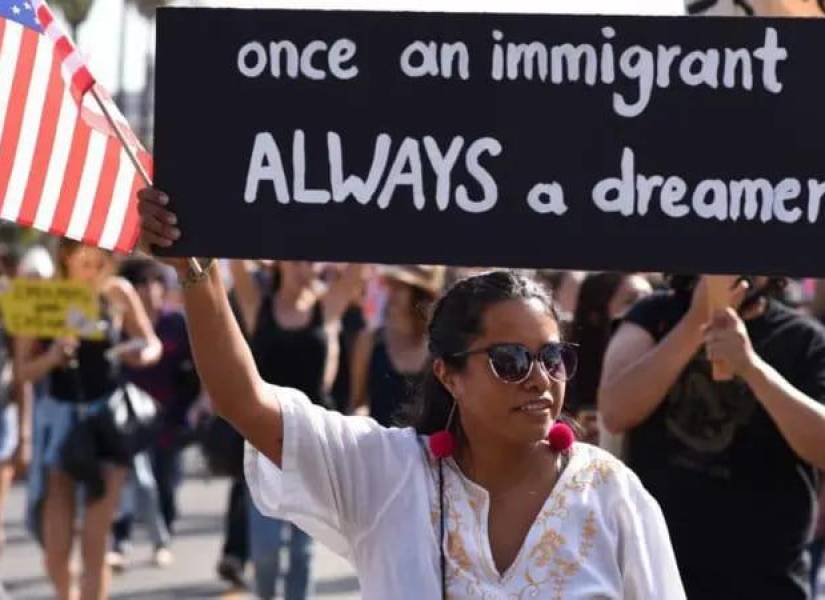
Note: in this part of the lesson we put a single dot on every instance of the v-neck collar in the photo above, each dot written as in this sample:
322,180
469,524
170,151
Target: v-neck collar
480,493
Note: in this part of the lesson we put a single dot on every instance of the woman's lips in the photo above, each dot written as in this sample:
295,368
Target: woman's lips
536,407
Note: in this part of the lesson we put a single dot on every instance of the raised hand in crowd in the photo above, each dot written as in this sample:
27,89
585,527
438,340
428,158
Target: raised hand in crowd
638,371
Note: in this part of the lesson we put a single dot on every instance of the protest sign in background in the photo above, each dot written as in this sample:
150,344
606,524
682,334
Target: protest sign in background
50,309
667,144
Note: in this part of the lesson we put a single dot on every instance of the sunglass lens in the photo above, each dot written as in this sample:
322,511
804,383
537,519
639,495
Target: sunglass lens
511,363
560,360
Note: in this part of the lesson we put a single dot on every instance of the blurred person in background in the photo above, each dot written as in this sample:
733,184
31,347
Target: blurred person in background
81,379
222,449
172,382
174,385
725,459
816,547
293,326
36,263
353,323
388,361
565,287
816,307
139,500
604,298
15,410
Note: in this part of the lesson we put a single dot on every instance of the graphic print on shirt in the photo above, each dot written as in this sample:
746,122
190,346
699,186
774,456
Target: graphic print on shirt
704,416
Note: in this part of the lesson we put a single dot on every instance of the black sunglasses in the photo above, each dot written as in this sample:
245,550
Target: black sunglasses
513,363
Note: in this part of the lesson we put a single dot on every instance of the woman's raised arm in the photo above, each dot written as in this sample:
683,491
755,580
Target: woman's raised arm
136,323
222,356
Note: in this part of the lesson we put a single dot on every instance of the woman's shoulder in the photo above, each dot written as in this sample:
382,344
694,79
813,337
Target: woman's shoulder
588,454
602,470
119,291
296,406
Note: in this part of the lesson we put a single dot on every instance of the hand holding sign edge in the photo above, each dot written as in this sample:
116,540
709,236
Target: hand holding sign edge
158,226
713,296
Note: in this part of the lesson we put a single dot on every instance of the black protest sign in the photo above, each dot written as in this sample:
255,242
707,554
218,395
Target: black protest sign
629,143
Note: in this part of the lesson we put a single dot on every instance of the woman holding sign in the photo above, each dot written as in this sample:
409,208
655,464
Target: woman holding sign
487,496
82,375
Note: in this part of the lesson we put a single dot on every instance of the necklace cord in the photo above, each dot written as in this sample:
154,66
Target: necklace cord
443,521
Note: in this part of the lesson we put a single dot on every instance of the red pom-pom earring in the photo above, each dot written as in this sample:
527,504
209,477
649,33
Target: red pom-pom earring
561,437
442,443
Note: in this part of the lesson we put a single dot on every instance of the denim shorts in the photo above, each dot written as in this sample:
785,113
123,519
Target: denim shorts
54,423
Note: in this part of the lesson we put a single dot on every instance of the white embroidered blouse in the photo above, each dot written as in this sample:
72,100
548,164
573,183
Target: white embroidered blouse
371,494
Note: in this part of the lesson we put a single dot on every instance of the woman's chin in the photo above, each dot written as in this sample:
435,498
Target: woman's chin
535,424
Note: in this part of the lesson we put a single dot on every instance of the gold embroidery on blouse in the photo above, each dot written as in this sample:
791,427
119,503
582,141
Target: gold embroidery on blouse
588,538
557,570
551,562
547,548
458,552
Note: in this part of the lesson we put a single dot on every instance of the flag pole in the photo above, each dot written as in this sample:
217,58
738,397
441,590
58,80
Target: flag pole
193,264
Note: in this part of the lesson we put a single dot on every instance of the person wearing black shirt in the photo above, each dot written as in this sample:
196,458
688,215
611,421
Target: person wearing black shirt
732,463
388,361
293,332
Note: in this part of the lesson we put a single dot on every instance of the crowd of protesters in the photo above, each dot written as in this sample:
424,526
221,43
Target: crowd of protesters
727,461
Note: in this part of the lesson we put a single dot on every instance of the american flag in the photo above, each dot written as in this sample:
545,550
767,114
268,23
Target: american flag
62,168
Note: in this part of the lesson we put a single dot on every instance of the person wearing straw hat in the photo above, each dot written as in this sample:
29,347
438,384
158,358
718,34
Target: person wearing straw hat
388,361
485,495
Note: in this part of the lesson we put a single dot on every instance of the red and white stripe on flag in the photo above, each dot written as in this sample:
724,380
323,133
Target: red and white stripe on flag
62,169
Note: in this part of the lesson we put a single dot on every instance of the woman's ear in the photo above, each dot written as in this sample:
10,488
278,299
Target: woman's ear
446,377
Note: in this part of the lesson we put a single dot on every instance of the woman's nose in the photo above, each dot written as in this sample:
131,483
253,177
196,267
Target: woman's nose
539,378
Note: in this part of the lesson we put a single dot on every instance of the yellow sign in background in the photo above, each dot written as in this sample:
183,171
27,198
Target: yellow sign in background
50,309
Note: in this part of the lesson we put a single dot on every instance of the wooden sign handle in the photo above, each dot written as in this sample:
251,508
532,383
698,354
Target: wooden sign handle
719,287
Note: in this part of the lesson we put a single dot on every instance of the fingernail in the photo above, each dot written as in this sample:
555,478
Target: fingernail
172,220
164,199
176,234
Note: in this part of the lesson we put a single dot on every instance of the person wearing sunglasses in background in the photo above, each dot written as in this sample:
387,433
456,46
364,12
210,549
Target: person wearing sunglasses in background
484,496
733,463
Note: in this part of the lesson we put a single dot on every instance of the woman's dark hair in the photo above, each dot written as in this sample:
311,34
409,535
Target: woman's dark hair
591,330
456,322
